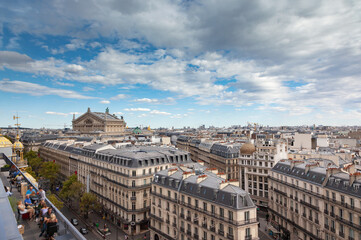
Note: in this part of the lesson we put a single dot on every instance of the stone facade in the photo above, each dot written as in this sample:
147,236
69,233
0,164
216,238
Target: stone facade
191,202
97,122
307,201
120,178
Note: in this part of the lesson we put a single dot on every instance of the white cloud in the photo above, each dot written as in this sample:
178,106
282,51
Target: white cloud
64,84
118,113
119,96
75,44
156,112
104,102
38,90
87,89
137,109
168,100
57,113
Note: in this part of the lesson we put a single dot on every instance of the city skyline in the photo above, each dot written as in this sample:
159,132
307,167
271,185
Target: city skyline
181,63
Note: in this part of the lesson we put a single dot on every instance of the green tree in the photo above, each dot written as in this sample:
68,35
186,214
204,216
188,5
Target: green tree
54,200
72,189
31,172
88,202
50,170
30,154
36,164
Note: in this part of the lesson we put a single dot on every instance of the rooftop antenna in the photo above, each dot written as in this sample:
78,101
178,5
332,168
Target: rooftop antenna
17,121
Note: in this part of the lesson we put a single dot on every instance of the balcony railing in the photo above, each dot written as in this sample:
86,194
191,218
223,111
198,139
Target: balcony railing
68,227
221,232
249,237
230,236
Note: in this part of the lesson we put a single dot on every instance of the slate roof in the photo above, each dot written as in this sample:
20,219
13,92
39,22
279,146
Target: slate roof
337,182
225,150
132,157
108,116
209,189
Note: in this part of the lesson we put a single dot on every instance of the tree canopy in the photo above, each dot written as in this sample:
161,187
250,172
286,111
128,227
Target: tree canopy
88,202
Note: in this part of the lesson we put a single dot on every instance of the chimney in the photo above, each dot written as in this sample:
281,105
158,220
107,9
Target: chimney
234,182
172,171
354,176
222,175
223,184
329,173
311,166
295,163
88,109
212,170
187,174
201,178
350,168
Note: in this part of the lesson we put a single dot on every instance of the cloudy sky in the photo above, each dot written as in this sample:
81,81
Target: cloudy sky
181,63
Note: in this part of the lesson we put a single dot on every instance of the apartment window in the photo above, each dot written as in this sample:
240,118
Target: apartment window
204,206
351,233
341,213
248,232
168,193
352,202
221,227
196,203
133,217
150,171
144,204
133,194
204,235
246,215
213,209
230,215
350,217
175,196
183,198
333,196
134,173
221,212
133,205
189,200
341,229
161,191
143,171
133,183
342,199
230,231
327,194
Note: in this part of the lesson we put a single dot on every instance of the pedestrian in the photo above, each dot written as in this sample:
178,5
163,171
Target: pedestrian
126,237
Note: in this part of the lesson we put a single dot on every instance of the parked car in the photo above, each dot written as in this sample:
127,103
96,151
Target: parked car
83,230
74,221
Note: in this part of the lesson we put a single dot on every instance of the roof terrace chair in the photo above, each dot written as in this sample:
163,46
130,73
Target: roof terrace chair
51,229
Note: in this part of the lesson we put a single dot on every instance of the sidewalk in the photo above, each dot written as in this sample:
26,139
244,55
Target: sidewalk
116,233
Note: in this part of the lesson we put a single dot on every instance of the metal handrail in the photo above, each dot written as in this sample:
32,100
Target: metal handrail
67,224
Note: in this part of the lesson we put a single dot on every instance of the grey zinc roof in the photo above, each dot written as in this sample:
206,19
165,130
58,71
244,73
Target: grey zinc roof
315,176
209,189
105,115
132,157
337,182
